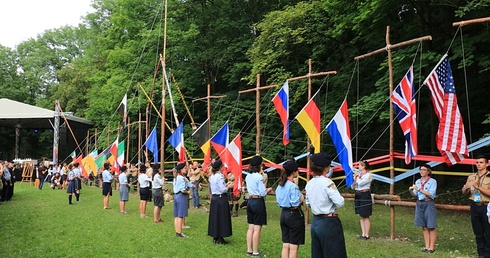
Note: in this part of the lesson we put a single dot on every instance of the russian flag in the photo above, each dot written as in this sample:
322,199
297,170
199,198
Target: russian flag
339,131
220,140
177,141
281,102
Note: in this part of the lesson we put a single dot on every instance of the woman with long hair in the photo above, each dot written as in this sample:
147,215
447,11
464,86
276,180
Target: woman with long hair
292,221
362,198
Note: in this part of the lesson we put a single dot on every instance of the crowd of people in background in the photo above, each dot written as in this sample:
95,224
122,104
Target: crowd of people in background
320,195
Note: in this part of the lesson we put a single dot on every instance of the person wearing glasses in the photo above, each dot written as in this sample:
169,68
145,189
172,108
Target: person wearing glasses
362,198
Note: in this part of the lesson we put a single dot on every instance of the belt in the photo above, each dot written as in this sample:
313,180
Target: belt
290,208
256,197
480,203
364,191
426,200
217,195
328,215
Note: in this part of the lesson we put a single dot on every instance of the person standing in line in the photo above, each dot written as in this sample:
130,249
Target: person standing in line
157,185
149,174
106,185
256,211
71,189
478,186
219,223
41,171
425,210
7,181
322,196
195,176
78,180
292,220
63,173
362,198
144,182
181,199
123,189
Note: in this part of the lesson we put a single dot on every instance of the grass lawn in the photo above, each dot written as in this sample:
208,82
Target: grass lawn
40,223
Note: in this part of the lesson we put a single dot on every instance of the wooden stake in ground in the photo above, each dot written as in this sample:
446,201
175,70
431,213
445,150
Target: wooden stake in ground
257,109
388,49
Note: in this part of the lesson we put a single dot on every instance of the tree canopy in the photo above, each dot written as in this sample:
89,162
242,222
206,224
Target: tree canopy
117,50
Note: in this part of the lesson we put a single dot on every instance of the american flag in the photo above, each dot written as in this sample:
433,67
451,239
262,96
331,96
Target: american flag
451,139
406,113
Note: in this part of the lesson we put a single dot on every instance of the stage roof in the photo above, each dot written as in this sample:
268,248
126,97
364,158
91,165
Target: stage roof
13,113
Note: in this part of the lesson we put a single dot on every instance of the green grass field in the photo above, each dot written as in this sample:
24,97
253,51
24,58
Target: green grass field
40,223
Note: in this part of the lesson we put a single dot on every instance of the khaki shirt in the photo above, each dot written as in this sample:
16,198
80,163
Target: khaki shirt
195,175
484,182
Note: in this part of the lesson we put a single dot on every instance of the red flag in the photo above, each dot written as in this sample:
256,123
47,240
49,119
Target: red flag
451,139
403,98
234,162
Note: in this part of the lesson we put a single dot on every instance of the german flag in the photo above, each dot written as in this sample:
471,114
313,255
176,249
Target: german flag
203,141
309,119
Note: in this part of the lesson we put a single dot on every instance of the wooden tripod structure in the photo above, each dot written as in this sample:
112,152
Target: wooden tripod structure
388,49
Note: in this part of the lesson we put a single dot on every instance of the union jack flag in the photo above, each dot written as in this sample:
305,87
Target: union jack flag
451,139
403,98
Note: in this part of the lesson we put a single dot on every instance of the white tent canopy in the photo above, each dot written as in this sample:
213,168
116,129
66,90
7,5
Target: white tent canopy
14,113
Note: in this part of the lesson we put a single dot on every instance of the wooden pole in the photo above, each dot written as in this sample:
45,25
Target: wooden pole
139,137
388,49
126,160
208,100
468,22
308,144
257,109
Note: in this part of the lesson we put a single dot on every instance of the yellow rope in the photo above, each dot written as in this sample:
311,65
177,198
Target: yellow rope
183,101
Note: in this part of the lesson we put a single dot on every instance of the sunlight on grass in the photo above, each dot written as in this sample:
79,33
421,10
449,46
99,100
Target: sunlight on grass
40,223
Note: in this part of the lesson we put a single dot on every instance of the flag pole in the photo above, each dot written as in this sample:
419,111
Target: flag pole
257,109
388,49
308,147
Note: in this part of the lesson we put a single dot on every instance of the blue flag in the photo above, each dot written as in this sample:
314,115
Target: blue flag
152,144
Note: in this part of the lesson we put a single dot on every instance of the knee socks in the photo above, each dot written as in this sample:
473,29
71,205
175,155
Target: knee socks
236,207
77,195
69,199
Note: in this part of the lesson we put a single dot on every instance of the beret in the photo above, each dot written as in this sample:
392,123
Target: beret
321,159
217,164
142,167
426,166
290,165
256,161
180,166
156,166
123,168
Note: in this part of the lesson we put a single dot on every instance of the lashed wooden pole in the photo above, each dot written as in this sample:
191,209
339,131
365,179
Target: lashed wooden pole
388,49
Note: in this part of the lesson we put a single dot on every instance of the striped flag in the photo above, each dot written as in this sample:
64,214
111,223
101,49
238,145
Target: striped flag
339,131
451,139
220,140
309,118
202,138
403,98
177,141
234,162
281,102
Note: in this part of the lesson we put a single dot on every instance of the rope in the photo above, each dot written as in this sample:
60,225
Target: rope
466,86
193,124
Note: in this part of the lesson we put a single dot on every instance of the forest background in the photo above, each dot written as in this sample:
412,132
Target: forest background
226,43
